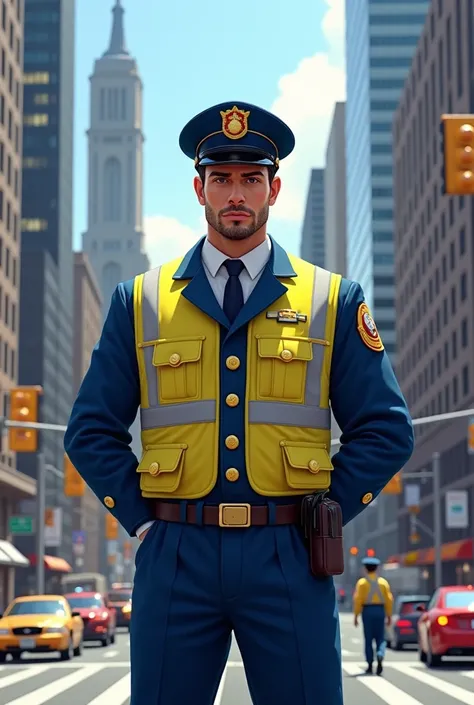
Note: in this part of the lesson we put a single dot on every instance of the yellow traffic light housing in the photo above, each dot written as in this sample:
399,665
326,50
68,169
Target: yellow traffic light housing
24,406
74,485
393,486
458,154
111,527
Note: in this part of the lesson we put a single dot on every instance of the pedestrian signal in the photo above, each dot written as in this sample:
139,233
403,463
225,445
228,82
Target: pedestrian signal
111,527
74,485
49,517
354,550
24,406
458,153
370,552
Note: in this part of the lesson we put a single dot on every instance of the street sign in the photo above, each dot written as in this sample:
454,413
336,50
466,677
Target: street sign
412,497
457,514
21,525
78,536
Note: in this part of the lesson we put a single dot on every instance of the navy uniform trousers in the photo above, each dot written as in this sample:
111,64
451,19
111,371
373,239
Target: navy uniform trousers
373,620
195,584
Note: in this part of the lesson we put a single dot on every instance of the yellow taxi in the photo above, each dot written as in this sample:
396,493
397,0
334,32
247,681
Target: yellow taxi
40,624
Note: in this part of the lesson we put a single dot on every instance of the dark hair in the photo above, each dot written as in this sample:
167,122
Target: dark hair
371,568
272,170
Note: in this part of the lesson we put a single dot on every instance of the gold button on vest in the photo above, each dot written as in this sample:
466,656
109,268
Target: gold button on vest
154,469
109,502
232,362
232,474
232,442
313,465
232,400
286,355
367,498
175,359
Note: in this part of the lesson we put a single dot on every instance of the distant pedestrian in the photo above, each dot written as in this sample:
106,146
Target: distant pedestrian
373,598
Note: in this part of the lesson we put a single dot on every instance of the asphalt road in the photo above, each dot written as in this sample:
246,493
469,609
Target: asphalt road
101,677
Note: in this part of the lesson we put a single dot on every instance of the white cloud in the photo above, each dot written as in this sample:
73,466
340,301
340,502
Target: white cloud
167,238
305,100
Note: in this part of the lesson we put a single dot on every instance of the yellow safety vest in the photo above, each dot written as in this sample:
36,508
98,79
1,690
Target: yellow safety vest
287,413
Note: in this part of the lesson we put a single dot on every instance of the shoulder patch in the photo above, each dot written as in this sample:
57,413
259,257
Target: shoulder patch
367,329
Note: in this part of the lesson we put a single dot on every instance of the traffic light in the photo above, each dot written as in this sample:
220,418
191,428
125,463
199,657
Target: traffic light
74,485
49,517
111,527
394,486
370,553
354,550
24,406
458,154
470,437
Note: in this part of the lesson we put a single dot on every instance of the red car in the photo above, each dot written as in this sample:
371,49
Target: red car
446,625
100,620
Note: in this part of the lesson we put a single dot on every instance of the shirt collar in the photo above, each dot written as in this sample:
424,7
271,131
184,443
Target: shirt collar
254,261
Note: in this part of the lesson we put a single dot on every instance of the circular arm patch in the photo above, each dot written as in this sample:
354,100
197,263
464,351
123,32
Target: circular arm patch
367,328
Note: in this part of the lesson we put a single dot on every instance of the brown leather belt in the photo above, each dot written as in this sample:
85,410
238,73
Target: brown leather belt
230,515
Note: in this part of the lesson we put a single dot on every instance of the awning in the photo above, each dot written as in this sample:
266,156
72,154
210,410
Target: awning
462,550
54,563
11,556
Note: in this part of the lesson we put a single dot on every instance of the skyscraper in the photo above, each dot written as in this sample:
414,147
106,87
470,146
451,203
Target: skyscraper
381,37
312,237
46,281
380,42
335,194
114,237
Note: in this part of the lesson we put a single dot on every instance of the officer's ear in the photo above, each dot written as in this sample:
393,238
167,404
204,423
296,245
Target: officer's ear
199,189
275,186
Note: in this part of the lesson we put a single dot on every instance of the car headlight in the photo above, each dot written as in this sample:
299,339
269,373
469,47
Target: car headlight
4,632
126,609
56,630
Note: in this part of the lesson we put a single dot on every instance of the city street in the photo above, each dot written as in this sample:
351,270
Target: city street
101,677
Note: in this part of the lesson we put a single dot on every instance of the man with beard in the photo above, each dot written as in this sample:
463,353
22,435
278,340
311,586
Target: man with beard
235,354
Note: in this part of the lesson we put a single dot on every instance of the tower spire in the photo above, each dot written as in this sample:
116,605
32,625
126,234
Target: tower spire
117,37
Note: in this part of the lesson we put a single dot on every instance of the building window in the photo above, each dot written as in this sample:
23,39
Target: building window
35,162
33,224
41,99
36,77
36,120
464,333
463,286
453,300
112,190
462,241
455,391
465,380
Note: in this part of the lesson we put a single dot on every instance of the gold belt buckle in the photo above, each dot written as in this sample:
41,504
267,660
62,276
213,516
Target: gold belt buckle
234,515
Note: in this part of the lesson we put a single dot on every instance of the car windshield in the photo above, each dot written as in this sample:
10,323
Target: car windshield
459,598
37,607
78,602
120,596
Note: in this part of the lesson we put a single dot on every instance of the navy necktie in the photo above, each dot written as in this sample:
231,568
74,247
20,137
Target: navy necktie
233,294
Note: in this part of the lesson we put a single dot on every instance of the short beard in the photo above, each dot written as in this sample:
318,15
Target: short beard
237,231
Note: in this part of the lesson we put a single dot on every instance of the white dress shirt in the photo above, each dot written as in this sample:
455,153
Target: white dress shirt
213,260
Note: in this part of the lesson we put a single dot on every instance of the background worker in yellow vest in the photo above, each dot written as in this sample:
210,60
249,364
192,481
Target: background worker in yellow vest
373,598
234,355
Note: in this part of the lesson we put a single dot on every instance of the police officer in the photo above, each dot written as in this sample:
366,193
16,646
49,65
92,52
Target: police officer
374,599
234,355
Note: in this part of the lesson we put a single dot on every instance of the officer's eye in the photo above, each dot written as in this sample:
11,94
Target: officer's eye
253,179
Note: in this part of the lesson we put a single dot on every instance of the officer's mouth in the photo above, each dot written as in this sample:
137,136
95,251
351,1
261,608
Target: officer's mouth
237,215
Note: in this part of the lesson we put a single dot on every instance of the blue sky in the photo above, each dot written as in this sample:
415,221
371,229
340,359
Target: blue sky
284,56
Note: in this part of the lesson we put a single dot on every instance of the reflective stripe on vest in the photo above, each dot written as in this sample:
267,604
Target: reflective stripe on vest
309,415
375,590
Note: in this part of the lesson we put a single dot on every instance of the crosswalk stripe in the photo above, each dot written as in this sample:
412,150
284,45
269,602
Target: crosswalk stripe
386,691
117,694
19,676
110,654
42,695
454,691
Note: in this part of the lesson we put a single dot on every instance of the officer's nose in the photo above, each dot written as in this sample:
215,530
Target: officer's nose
236,196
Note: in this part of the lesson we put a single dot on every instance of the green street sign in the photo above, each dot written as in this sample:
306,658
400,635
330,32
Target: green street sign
21,525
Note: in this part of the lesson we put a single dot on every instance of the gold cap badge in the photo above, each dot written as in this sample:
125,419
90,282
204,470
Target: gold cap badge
235,123
367,328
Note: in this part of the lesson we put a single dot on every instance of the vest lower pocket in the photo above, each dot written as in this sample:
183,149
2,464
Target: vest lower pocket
281,368
161,468
179,369
307,466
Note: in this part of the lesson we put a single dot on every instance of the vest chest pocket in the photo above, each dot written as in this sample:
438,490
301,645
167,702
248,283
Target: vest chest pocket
161,468
281,368
307,466
179,369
